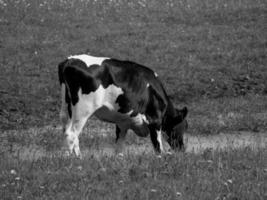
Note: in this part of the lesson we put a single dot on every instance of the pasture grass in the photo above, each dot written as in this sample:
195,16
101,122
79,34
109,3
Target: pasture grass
33,167
210,55
231,174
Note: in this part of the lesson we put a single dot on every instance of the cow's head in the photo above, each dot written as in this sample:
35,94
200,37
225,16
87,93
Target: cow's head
175,127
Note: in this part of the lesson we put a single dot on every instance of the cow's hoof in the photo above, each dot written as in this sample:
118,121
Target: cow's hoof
78,153
79,156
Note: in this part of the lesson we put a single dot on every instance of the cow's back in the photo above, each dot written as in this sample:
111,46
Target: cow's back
140,85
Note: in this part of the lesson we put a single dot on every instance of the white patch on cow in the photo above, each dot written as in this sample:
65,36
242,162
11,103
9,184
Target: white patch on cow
138,124
144,119
102,97
139,119
156,74
129,113
159,139
89,60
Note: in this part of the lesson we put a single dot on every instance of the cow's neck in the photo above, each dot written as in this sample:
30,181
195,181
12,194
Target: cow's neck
170,112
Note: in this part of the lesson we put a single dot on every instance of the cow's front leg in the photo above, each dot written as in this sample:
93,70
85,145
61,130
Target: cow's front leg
156,137
120,137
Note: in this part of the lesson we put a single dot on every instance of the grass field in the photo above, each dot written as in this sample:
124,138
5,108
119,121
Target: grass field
34,168
211,56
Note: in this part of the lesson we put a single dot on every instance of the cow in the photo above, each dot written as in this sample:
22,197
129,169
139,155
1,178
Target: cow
125,93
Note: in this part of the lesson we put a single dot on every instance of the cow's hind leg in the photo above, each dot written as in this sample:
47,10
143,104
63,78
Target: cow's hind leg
78,120
73,132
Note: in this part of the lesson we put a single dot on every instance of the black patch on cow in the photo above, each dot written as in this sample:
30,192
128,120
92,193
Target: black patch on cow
140,87
61,68
77,75
124,103
68,101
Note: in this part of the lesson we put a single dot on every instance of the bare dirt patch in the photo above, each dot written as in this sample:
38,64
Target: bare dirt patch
225,141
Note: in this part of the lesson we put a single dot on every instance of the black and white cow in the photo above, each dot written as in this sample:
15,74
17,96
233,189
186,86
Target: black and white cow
121,92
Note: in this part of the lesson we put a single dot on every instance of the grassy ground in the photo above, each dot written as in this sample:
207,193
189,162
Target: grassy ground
32,167
210,55
233,174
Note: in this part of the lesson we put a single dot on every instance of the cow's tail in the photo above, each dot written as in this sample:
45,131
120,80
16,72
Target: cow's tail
65,111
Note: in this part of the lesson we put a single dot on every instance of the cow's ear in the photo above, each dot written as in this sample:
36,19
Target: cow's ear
181,115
